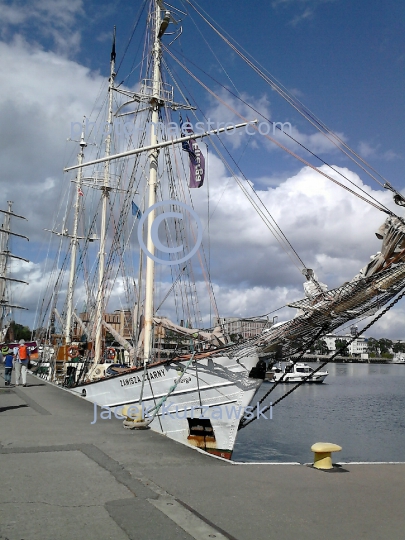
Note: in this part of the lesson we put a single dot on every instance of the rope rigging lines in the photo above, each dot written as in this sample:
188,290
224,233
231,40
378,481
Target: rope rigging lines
378,206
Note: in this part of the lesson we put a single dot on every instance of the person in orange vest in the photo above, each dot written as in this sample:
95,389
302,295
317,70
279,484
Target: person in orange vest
21,364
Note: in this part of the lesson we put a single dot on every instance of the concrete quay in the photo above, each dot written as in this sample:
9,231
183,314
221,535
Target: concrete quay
63,478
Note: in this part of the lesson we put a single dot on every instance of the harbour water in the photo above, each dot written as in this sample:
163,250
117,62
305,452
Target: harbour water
361,407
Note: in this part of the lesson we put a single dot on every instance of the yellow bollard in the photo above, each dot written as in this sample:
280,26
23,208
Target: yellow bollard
322,454
134,417
133,413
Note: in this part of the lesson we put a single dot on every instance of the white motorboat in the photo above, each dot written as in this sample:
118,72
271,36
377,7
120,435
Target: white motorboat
398,359
295,373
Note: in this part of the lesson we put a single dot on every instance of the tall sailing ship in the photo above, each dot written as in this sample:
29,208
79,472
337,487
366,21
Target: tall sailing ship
191,384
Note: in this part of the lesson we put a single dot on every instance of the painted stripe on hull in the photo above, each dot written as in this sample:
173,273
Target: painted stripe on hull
226,454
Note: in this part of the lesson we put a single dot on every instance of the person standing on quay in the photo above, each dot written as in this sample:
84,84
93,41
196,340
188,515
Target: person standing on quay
21,364
8,365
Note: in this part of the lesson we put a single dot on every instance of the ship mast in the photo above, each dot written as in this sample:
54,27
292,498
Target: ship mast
155,95
69,309
153,165
4,256
99,315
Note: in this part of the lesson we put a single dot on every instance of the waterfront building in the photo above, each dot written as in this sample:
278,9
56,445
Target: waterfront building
120,320
357,348
242,328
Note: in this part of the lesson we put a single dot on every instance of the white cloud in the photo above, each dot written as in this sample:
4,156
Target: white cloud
37,275
390,325
297,93
366,150
50,18
308,13
322,221
44,94
228,109
311,3
315,142
390,155
305,8
11,14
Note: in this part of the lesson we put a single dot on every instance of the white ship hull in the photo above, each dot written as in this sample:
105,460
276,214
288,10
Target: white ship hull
203,410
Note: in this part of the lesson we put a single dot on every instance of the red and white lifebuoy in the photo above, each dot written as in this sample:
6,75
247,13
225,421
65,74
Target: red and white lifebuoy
111,353
73,352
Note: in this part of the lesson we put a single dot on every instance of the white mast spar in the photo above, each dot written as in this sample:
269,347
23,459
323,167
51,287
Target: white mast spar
69,308
99,315
153,165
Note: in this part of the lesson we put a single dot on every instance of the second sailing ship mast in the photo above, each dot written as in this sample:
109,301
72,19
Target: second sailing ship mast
69,309
4,256
103,231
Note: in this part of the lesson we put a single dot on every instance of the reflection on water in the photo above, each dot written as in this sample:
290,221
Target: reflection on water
361,407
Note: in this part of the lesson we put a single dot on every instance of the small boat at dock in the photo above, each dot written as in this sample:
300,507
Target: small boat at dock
294,373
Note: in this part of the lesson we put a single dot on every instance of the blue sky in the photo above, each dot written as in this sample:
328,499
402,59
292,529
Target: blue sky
344,60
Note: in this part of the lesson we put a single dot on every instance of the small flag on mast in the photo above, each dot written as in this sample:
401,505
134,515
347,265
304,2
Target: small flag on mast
135,210
113,55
